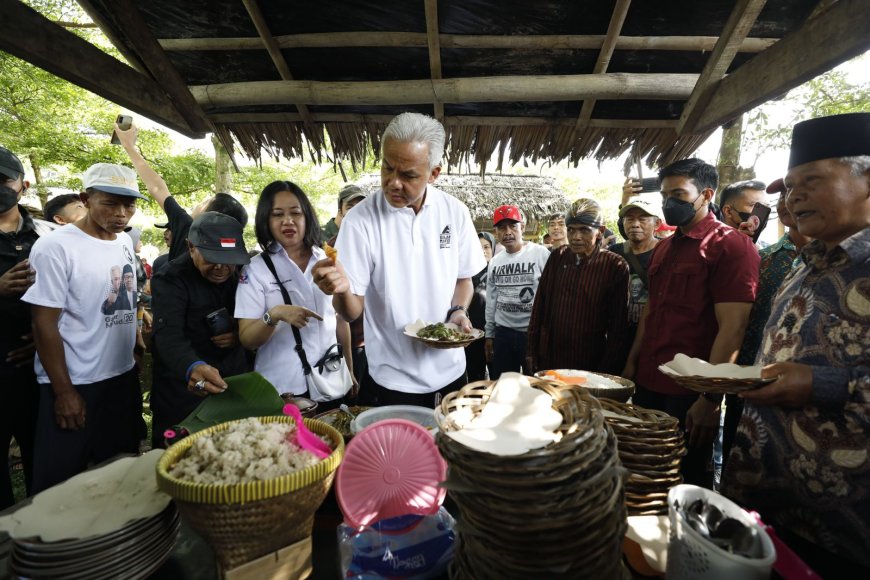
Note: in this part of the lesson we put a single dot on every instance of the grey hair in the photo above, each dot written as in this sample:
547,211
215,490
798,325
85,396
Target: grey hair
859,164
417,128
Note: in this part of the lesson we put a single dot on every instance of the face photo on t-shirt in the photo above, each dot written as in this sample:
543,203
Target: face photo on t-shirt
118,294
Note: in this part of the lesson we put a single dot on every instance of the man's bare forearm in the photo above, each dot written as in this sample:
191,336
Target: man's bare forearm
49,346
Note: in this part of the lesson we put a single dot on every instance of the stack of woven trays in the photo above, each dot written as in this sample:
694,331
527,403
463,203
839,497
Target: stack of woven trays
651,446
554,512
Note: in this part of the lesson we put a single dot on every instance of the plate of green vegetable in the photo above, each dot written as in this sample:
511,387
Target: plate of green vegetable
441,334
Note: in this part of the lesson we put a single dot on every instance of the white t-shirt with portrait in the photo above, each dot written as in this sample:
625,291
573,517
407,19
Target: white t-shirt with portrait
258,291
83,276
406,266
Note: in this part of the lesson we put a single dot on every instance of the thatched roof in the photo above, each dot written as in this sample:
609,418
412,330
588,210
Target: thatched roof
550,79
538,196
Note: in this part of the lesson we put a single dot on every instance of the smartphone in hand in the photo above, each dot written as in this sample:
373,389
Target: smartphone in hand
760,212
219,321
124,122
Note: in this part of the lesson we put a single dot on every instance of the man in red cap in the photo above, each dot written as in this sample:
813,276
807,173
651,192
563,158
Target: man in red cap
801,456
512,283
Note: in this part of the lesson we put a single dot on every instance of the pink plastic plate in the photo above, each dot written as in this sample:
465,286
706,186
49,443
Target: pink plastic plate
391,468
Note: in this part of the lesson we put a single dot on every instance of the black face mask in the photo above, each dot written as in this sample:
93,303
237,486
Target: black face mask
8,198
678,212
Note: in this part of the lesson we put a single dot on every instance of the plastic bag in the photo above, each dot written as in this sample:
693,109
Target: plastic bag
409,547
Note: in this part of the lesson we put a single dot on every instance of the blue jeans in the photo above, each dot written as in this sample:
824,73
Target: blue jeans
508,351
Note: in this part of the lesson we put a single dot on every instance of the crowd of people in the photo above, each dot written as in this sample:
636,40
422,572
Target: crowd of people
688,278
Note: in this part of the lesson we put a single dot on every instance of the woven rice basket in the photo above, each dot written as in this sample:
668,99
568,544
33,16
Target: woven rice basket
553,512
245,521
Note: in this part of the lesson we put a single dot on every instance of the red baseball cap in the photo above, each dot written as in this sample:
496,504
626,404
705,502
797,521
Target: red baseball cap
506,212
777,186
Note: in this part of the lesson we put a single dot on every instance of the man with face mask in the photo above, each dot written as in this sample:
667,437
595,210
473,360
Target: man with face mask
18,388
737,201
702,283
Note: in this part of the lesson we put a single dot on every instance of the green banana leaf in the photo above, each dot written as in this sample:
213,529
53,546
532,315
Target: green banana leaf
247,395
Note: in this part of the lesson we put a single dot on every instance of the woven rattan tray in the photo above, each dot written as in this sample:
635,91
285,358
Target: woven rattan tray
717,386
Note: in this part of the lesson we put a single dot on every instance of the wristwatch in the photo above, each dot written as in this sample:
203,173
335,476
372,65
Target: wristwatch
454,309
267,319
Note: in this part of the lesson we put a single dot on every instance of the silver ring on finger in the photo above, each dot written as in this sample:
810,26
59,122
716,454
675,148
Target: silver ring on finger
199,387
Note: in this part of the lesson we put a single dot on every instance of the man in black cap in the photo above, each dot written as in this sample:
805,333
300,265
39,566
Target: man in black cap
801,456
196,341
18,388
179,220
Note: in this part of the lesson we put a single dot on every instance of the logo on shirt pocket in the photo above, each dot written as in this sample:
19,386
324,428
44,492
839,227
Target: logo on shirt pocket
445,237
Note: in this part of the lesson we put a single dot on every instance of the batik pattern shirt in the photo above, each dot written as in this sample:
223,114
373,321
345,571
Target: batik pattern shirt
776,262
807,469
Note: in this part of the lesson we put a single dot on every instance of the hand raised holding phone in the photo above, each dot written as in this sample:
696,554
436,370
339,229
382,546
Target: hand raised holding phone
123,122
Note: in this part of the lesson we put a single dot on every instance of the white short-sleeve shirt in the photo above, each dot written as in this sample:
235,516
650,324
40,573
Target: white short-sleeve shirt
74,272
258,291
406,266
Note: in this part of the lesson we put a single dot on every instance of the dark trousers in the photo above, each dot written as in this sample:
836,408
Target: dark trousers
733,412
19,400
360,363
475,361
508,350
373,394
113,409
696,466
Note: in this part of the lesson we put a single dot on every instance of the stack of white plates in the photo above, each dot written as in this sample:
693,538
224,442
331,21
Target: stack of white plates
134,551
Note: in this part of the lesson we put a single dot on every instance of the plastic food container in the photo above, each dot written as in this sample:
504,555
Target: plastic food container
423,416
690,555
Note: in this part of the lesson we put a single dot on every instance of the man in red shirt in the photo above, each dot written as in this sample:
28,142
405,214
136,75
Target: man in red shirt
702,283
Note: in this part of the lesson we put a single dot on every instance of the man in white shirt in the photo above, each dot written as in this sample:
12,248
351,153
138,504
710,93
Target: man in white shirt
90,406
512,282
406,253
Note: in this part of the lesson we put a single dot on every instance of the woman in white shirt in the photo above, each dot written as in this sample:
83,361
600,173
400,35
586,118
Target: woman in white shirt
288,231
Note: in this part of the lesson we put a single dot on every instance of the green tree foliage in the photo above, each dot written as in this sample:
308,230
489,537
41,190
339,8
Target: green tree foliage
768,126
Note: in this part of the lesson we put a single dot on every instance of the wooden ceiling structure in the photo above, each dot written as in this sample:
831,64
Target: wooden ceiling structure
549,79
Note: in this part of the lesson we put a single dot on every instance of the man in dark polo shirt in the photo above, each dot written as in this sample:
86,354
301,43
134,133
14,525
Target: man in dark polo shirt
19,392
702,283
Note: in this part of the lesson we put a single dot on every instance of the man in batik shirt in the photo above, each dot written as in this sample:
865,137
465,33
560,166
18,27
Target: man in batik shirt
776,263
801,457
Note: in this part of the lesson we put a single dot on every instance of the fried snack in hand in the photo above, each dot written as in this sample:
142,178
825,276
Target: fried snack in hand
331,252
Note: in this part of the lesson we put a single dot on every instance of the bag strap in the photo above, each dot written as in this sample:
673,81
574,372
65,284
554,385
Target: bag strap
634,263
306,368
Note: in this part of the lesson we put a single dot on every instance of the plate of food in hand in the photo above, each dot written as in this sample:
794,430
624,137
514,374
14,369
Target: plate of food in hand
441,334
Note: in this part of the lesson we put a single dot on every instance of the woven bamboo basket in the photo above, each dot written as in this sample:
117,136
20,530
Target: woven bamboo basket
622,393
245,521
561,506
716,385
651,447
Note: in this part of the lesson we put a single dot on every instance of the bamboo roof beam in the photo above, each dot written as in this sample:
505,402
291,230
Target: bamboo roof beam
607,47
434,46
153,56
274,50
838,34
458,120
459,41
654,86
68,56
739,23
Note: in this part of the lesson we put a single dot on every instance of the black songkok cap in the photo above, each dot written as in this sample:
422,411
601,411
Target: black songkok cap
830,137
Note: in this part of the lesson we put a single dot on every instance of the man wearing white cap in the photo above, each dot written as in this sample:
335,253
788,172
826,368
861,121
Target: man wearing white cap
639,218
801,457
90,404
